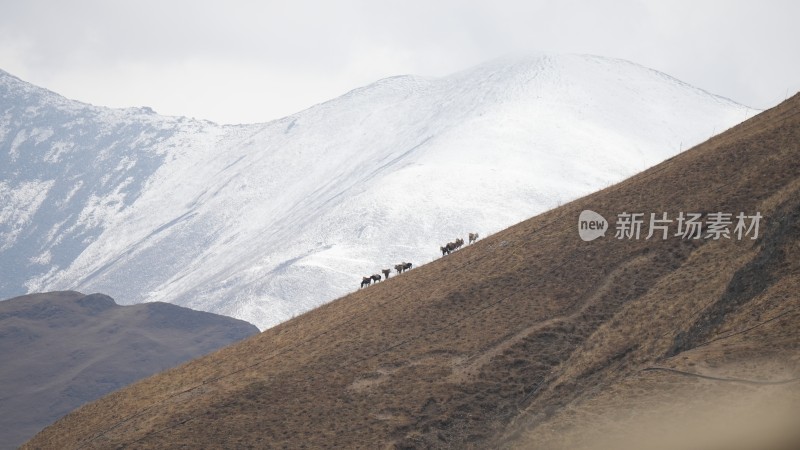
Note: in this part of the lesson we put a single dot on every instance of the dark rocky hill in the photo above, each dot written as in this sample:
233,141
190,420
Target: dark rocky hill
60,350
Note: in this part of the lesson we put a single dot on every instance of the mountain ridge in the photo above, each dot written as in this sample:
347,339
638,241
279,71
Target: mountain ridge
521,339
265,221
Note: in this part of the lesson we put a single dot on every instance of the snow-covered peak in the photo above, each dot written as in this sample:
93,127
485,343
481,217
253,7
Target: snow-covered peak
265,221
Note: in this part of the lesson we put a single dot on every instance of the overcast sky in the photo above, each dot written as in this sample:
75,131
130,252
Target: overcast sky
238,61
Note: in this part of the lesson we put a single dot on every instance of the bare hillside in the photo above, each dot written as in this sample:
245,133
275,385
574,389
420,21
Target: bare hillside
518,340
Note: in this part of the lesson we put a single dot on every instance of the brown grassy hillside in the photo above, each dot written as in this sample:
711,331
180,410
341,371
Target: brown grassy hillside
521,339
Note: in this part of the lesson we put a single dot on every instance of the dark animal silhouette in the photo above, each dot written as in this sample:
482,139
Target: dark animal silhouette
376,278
365,281
386,273
451,246
473,237
403,266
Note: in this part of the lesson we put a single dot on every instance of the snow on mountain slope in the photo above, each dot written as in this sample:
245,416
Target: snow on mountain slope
66,170
262,222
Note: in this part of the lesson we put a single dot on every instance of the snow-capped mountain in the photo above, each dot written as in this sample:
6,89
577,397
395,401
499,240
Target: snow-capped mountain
262,222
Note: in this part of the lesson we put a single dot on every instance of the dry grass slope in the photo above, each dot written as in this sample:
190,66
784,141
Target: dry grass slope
521,340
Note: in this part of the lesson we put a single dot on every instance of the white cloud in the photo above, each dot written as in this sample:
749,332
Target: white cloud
247,61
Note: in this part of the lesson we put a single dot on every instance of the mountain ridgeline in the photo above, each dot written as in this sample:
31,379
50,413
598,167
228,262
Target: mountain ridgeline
263,222
529,338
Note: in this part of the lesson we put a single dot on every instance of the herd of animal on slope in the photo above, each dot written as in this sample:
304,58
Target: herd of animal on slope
403,266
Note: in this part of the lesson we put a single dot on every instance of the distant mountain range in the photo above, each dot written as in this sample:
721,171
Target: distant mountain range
531,338
60,350
262,222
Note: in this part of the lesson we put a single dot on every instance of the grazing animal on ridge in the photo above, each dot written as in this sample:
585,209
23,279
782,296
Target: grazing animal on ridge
376,278
365,281
386,273
451,247
473,237
403,266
